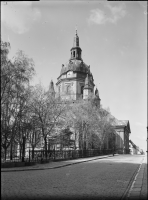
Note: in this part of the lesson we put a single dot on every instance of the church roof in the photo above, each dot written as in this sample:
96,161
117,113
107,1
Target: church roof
122,123
76,66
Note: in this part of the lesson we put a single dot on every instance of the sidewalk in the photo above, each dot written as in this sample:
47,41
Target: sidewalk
138,189
53,165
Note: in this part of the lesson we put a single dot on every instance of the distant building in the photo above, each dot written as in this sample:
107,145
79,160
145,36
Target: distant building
122,136
134,149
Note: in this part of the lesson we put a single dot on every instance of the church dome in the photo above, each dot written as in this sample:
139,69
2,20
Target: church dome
76,66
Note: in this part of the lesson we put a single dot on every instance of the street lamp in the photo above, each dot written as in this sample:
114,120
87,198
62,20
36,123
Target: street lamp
23,152
147,138
113,143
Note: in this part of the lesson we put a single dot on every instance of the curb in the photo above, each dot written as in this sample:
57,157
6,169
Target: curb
125,195
134,189
60,166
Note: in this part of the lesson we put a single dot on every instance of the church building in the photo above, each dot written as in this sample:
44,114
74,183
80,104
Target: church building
76,80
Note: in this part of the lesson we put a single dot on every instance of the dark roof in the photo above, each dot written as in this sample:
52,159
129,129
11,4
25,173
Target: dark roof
75,65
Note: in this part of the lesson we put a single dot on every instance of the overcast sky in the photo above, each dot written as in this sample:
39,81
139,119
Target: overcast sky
113,39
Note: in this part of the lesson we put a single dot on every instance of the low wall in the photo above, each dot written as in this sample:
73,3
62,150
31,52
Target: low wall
16,164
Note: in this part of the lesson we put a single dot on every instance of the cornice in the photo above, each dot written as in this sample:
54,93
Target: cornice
70,79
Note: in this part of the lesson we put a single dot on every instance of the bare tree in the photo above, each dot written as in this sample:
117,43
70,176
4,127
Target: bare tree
33,133
47,111
92,124
15,77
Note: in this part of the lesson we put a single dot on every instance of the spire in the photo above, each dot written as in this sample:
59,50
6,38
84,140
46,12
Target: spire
76,30
76,40
97,92
87,83
97,98
76,50
51,88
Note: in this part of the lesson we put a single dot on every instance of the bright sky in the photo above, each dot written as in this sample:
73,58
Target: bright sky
113,39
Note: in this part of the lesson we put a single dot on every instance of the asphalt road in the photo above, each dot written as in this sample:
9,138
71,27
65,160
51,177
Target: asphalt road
106,178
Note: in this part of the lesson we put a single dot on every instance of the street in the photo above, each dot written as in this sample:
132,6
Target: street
105,178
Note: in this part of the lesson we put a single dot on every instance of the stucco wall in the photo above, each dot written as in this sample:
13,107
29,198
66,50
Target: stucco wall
120,140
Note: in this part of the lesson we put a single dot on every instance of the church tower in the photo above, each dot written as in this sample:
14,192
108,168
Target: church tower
51,89
76,50
75,76
97,98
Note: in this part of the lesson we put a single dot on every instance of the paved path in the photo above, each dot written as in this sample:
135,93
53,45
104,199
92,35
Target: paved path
52,165
103,179
138,189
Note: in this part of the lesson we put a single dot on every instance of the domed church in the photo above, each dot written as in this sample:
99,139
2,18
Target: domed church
76,80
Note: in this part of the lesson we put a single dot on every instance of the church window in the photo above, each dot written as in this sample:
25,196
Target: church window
82,91
74,54
69,74
68,89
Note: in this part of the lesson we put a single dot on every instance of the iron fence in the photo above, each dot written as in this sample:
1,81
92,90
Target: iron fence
10,158
41,156
55,155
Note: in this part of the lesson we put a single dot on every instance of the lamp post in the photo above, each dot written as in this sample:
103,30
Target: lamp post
113,143
147,138
23,152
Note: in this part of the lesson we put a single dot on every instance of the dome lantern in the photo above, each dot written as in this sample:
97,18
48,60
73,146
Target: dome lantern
76,50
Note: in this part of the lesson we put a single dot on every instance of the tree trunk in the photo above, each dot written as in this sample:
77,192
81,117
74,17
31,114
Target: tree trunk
5,152
11,151
75,141
45,140
49,146
20,152
32,152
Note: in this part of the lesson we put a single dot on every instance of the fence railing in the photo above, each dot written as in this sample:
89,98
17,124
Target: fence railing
39,156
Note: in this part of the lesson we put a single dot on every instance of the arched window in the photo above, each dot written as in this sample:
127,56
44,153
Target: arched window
78,53
68,89
74,54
